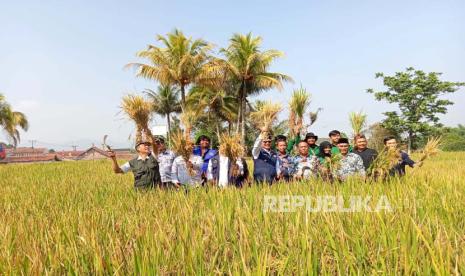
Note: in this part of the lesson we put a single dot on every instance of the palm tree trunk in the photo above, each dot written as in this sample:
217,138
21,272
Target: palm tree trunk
410,138
169,127
183,97
243,114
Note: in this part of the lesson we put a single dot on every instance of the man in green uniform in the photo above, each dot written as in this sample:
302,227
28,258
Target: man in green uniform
144,167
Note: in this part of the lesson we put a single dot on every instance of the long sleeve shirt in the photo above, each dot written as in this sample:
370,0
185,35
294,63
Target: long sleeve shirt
180,173
351,164
223,173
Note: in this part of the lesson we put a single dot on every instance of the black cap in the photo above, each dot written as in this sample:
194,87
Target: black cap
334,132
343,141
311,135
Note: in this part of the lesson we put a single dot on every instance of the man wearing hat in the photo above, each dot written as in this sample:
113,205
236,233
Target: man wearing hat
144,166
165,160
264,159
351,164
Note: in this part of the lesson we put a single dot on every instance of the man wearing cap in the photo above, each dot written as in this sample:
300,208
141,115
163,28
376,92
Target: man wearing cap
350,164
165,160
265,160
334,136
144,167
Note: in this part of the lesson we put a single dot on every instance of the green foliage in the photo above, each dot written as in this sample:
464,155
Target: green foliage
417,95
453,138
12,121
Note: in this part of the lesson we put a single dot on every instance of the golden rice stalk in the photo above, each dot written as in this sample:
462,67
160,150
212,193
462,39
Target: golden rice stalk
266,115
431,148
182,145
231,147
300,100
138,109
357,121
381,166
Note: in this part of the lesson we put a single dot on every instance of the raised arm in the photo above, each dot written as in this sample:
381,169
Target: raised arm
257,146
116,168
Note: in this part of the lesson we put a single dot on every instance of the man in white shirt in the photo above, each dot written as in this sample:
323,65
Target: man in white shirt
188,174
221,172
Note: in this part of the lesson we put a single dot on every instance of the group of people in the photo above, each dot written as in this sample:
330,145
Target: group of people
273,159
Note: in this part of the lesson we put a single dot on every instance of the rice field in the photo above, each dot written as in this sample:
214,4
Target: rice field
80,218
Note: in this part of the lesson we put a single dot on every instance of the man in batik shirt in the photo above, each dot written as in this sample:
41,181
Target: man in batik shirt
350,164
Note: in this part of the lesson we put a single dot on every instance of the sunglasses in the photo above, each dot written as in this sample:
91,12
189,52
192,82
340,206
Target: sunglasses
267,142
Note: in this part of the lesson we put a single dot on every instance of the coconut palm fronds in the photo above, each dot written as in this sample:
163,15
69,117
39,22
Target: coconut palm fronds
231,147
431,148
300,100
265,115
357,121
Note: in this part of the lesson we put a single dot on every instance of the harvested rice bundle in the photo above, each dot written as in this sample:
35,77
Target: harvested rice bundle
231,147
139,110
182,145
357,121
298,105
431,148
330,167
382,165
265,116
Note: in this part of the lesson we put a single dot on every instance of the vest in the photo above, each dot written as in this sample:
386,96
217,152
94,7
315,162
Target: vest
265,167
146,172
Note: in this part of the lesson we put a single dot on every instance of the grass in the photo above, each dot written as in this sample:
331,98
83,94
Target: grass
79,218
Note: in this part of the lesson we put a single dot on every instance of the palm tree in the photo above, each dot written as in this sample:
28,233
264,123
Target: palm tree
11,120
138,109
180,62
218,106
165,101
248,66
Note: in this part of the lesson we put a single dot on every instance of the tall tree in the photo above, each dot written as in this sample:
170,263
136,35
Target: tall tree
11,121
248,66
180,62
165,101
418,96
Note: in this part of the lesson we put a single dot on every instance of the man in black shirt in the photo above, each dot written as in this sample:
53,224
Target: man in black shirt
361,149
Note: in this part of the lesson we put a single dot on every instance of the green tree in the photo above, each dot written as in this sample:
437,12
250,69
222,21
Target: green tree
418,96
180,62
12,121
249,67
453,138
165,101
218,107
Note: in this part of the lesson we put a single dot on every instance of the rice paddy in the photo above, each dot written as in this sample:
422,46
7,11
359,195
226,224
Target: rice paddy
80,218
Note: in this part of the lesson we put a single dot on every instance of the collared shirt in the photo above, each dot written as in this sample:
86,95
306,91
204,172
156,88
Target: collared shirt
257,147
306,166
165,161
208,154
180,173
223,179
284,165
126,167
405,160
351,164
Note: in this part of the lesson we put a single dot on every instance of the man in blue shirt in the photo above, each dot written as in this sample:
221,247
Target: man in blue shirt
399,169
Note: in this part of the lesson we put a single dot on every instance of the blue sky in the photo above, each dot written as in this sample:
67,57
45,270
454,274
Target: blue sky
61,62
